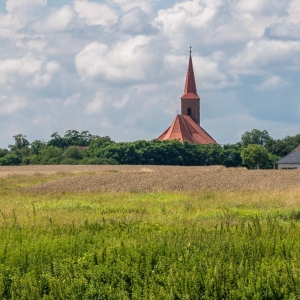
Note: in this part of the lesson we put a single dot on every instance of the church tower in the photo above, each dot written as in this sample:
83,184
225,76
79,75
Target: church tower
190,101
186,127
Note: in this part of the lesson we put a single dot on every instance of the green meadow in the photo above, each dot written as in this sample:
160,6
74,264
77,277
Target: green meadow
135,245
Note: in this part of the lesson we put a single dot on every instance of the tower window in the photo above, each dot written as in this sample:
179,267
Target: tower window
189,111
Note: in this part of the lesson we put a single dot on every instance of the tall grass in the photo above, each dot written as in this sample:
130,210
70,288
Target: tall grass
213,245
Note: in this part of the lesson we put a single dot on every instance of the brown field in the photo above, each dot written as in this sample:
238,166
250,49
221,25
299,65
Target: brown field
154,178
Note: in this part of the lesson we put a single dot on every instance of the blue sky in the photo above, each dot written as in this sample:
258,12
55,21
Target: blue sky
118,67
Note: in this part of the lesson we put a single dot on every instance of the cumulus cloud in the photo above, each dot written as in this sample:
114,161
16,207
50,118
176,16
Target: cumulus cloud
57,21
285,31
127,5
96,104
73,99
135,21
9,104
294,11
184,19
258,7
95,13
262,54
10,69
127,61
273,82
45,75
26,10
121,103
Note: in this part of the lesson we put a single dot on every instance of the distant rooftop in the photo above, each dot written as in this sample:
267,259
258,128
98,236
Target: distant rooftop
291,158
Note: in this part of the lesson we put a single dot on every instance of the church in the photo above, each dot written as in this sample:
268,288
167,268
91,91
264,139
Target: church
186,126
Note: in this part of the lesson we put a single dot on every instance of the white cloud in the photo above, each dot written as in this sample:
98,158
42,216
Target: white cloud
262,54
283,31
95,106
73,99
135,21
127,61
37,44
26,10
294,11
10,104
145,88
9,24
273,82
22,67
126,5
121,103
186,19
258,7
43,78
57,21
95,13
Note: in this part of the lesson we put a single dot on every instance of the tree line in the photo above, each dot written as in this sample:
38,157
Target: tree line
256,149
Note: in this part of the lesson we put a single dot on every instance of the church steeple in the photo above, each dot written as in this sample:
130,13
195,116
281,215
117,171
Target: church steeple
190,101
186,127
190,89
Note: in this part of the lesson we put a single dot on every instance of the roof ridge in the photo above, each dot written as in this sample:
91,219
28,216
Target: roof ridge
181,130
205,136
182,121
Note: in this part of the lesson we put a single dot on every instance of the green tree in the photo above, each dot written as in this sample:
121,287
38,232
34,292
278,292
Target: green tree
96,147
20,142
51,155
37,146
255,136
3,152
270,164
73,152
254,156
231,155
57,141
76,138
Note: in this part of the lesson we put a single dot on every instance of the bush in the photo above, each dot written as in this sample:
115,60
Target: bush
69,161
73,152
10,160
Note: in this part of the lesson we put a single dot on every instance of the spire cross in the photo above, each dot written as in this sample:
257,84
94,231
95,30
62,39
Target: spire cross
190,49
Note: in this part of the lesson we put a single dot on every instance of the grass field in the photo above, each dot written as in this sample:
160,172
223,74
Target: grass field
146,232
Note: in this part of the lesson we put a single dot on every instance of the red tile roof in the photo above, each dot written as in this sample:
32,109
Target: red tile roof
190,89
184,128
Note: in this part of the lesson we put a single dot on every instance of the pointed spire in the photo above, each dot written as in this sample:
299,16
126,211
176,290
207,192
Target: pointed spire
190,89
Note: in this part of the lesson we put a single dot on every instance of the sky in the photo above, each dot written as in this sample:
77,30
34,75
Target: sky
117,67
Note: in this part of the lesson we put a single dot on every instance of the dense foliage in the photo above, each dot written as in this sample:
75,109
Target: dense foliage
122,260
84,148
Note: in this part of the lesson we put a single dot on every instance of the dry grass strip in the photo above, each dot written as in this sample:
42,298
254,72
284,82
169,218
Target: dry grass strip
160,178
